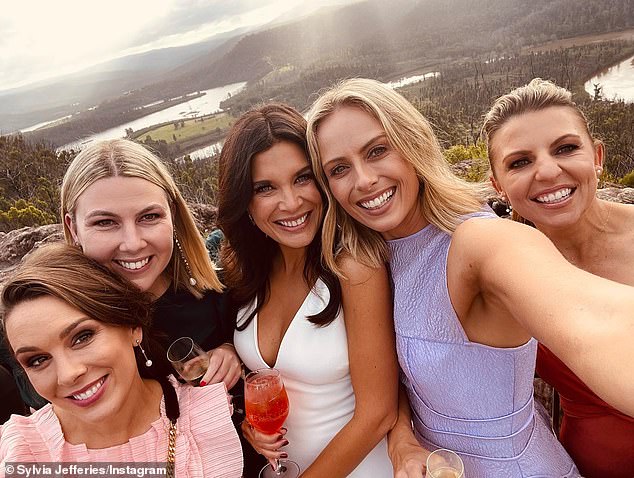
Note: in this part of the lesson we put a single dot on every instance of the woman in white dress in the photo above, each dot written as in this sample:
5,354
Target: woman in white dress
330,337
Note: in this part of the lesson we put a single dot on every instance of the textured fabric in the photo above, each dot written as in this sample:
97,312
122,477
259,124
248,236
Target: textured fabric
599,438
206,442
314,364
471,398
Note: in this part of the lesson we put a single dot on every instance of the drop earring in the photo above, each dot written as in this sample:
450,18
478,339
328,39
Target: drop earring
507,203
192,281
251,218
148,362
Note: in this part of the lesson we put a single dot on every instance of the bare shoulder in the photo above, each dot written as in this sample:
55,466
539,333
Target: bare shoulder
357,272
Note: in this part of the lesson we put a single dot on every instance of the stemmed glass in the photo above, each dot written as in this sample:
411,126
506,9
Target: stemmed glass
188,359
444,463
266,404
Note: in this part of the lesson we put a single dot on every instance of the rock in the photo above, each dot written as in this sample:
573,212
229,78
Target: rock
614,194
16,244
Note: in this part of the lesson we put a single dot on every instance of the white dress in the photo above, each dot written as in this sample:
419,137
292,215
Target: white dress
314,364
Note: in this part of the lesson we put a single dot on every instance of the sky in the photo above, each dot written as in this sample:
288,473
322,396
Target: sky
42,39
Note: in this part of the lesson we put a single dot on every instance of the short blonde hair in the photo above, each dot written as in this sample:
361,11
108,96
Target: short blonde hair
445,198
121,157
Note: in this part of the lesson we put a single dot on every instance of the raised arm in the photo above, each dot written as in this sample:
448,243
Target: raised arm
587,321
367,308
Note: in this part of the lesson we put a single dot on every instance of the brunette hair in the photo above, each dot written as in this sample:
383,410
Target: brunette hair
247,254
124,158
64,272
444,197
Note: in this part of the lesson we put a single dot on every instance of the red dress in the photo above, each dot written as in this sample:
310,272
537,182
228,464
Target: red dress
599,438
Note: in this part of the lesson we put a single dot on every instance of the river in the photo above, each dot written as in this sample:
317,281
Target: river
617,82
199,106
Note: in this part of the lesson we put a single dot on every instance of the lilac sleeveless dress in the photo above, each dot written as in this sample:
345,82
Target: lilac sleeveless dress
471,398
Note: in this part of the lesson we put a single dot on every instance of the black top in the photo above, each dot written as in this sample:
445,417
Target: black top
180,314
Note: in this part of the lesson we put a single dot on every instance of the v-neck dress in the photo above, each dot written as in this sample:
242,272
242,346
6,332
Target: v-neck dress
314,364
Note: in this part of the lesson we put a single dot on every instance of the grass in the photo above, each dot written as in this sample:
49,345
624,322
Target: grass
192,128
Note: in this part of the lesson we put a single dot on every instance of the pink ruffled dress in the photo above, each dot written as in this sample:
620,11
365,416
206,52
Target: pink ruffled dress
206,441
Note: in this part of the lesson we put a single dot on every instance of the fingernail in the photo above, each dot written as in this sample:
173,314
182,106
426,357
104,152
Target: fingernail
285,442
283,455
279,437
283,430
203,383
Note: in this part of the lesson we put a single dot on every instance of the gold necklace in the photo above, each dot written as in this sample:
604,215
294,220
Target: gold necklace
171,450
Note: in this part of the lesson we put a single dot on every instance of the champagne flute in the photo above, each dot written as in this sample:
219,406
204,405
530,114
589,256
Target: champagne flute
266,404
444,463
188,359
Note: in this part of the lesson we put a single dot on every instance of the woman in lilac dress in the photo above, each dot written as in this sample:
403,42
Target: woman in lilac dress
470,291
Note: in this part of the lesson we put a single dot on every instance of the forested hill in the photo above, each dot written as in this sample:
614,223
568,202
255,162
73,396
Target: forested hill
375,38
402,34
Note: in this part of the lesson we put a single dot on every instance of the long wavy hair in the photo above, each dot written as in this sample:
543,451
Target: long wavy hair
64,272
444,197
124,158
247,254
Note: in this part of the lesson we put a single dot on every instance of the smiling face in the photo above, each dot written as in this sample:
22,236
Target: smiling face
546,164
286,204
125,223
367,176
84,367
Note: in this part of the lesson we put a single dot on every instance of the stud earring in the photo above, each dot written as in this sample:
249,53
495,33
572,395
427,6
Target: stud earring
148,362
192,281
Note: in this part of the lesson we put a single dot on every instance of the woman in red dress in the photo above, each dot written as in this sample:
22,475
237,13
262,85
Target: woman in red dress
546,165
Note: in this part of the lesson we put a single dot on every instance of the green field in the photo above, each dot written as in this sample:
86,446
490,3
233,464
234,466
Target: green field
185,130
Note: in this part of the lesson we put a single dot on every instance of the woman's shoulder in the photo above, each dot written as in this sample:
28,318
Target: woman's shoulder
31,438
354,270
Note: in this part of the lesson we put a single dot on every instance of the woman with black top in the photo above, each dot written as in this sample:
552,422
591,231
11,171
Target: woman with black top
120,205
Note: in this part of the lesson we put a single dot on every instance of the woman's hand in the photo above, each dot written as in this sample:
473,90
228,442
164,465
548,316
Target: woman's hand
224,366
408,460
266,445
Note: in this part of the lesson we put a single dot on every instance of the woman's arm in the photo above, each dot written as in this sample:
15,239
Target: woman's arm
407,456
367,309
587,321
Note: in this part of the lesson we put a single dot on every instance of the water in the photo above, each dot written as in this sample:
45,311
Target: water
412,79
617,82
202,105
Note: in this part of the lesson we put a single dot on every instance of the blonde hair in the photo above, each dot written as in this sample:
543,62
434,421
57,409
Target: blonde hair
124,158
535,96
445,198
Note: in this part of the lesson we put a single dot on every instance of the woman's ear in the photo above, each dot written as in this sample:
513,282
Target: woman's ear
495,184
70,224
599,151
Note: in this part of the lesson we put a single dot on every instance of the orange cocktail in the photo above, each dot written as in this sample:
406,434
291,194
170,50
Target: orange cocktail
266,401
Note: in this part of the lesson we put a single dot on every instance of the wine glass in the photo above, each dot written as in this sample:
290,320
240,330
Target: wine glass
188,359
266,404
444,463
